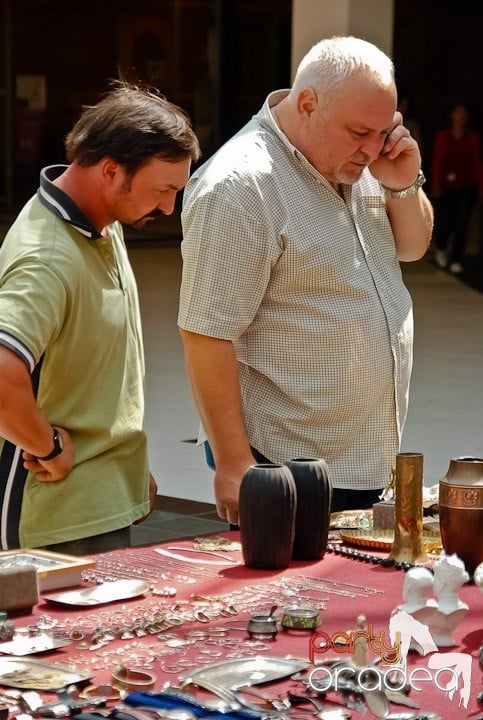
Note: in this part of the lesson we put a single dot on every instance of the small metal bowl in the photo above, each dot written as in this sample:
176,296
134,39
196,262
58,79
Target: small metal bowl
262,626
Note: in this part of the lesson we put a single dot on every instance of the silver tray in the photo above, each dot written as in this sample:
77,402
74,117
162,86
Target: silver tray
25,674
234,674
100,594
32,645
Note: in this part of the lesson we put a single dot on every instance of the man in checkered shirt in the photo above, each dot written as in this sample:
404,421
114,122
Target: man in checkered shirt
296,324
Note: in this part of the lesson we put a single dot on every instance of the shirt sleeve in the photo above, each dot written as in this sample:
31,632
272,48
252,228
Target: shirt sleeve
229,251
32,307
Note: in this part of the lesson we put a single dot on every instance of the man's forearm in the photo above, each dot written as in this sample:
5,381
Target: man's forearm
412,225
21,422
213,372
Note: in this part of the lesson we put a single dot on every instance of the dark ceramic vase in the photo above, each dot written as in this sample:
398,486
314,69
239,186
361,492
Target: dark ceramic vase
314,498
267,509
461,510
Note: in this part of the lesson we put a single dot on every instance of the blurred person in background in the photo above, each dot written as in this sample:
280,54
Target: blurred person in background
455,178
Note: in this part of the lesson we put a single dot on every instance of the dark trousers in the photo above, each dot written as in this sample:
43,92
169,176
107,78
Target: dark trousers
106,542
452,215
342,499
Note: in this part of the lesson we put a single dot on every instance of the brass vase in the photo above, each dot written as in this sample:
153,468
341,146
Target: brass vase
461,510
408,529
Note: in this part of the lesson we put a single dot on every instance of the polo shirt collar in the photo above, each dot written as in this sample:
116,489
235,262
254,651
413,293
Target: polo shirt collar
58,202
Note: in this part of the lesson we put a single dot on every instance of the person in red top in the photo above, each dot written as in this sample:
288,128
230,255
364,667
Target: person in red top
455,178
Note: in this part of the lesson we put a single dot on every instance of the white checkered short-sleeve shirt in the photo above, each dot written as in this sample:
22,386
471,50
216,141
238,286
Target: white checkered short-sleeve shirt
308,287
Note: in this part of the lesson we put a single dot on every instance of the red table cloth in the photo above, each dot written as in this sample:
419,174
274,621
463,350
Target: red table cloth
210,589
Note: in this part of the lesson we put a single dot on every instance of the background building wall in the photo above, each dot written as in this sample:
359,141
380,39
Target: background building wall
216,58
313,20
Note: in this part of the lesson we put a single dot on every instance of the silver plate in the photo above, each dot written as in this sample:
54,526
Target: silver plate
32,645
100,594
37,675
234,674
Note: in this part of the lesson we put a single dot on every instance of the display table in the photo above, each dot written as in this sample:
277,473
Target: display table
196,609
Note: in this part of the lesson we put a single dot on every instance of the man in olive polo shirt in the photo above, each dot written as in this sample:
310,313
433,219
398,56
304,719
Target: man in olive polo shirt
73,459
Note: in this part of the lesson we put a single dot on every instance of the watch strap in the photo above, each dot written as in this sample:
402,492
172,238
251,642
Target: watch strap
57,446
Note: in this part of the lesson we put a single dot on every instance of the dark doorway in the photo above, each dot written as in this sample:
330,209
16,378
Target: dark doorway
216,58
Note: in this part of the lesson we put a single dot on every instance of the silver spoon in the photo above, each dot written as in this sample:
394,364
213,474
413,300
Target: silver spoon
377,702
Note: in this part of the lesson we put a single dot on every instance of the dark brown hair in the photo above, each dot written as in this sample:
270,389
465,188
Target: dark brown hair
132,124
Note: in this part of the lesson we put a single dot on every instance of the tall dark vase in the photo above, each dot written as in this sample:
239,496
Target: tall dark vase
314,498
267,509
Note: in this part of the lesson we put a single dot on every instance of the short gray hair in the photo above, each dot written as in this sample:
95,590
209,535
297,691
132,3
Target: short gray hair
331,61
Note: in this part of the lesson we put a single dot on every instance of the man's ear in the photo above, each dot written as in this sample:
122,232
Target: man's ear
110,170
307,101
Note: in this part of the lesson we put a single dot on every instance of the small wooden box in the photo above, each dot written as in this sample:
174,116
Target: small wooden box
54,570
19,588
384,515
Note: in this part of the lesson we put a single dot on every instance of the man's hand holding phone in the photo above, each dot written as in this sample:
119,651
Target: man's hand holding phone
399,161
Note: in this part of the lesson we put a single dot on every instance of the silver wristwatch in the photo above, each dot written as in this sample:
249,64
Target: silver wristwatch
406,192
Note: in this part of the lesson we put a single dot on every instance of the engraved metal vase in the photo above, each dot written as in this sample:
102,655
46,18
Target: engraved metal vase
461,510
408,529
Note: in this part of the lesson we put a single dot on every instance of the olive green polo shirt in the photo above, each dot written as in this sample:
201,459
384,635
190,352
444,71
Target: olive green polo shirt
69,309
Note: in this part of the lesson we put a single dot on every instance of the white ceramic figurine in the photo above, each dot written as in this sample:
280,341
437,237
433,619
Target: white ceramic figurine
449,575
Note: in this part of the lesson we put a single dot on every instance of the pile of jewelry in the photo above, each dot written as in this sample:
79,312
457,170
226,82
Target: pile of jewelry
299,586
